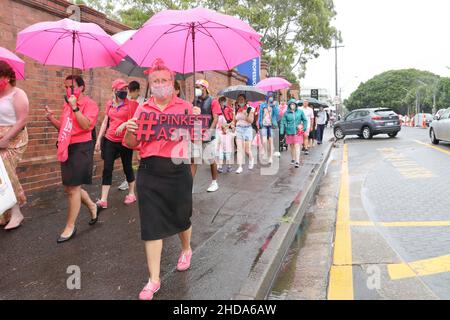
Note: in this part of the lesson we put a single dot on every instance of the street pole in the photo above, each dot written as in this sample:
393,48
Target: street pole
338,105
336,64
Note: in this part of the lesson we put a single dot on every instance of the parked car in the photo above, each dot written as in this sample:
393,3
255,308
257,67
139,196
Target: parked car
440,128
367,123
438,114
418,119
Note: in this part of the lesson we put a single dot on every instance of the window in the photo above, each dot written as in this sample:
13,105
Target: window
351,116
385,113
363,114
446,114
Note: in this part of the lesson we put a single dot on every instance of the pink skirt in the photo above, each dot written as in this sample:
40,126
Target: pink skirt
294,139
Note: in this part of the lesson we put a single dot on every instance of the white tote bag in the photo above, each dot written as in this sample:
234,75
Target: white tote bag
7,197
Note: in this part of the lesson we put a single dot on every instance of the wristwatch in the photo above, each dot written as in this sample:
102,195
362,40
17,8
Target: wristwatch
76,109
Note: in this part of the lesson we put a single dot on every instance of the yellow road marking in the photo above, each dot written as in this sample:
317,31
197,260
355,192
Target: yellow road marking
406,167
401,224
433,147
362,223
341,273
424,267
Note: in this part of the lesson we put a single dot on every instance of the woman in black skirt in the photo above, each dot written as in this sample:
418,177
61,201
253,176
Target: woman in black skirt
164,180
76,150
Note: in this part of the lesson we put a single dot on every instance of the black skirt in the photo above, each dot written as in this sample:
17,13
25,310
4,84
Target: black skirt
165,197
77,170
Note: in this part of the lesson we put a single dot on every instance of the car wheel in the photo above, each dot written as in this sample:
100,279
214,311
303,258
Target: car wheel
393,134
367,133
338,133
433,137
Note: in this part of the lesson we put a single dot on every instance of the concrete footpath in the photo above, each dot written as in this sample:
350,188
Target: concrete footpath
240,235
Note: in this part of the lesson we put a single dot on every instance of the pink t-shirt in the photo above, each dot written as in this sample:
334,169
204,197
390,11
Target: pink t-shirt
215,107
165,148
117,116
89,109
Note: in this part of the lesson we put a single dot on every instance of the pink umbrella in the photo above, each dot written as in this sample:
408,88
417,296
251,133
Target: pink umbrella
14,61
194,40
68,43
273,84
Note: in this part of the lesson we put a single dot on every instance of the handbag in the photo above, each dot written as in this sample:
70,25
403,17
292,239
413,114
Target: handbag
7,197
257,140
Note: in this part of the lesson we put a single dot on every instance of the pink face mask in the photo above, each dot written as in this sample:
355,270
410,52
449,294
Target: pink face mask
162,92
3,84
76,92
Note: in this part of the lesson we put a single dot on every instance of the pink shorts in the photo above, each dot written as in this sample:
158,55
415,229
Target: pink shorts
294,139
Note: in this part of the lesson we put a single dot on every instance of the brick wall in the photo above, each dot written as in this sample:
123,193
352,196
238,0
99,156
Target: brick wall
44,85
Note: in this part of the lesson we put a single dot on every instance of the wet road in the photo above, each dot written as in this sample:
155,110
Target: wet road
391,225
231,227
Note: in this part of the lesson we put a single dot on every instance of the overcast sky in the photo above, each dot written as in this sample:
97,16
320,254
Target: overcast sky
381,35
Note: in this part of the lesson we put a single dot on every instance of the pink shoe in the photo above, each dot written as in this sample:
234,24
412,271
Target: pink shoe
102,204
149,290
129,199
184,262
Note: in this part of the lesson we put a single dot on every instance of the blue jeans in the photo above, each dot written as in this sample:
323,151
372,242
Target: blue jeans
319,132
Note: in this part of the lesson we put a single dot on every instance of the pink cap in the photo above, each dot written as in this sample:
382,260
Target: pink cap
119,84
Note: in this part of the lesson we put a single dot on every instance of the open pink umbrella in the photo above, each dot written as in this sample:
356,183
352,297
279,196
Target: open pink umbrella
14,61
68,43
194,40
273,84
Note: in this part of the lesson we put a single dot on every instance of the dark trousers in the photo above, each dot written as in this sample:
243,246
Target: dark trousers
319,133
112,151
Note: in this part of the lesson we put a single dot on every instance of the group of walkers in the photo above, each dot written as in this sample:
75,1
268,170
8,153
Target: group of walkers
162,187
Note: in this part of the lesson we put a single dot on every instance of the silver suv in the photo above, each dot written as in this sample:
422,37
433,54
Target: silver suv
366,123
440,128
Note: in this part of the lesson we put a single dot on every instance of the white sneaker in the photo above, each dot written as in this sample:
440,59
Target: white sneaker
239,170
213,187
250,165
277,154
124,186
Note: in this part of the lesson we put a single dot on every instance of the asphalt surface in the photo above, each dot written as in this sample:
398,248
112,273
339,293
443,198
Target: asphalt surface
389,209
231,228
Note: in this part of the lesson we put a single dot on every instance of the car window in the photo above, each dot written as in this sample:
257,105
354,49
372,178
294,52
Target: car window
446,114
363,114
385,113
351,116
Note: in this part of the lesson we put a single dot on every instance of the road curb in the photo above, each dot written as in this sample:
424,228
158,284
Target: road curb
260,279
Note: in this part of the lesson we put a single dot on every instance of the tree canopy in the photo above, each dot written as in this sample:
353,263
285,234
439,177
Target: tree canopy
401,90
293,30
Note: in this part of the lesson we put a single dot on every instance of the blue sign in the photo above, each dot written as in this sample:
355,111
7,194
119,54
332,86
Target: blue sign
250,69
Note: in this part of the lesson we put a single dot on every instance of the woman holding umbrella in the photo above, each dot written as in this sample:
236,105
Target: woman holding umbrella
164,186
76,150
244,118
13,137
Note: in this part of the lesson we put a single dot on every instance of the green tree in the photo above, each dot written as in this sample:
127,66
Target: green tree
401,90
293,30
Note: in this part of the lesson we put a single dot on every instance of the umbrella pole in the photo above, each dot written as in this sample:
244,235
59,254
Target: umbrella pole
193,54
146,90
73,55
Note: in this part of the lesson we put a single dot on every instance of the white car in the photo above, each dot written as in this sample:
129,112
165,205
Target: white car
440,128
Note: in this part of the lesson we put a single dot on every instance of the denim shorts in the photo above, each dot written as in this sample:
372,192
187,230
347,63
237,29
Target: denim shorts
266,131
244,133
